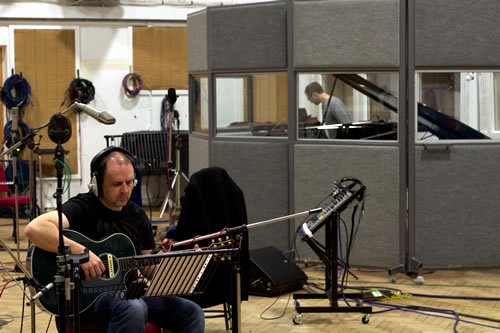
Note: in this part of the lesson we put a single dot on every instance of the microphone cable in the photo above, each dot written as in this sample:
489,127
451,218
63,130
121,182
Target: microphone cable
132,84
80,90
22,130
16,91
435,312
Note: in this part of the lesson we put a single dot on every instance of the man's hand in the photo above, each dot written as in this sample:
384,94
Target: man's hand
94,267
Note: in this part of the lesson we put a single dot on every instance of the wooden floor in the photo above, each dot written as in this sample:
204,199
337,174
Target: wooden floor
262,314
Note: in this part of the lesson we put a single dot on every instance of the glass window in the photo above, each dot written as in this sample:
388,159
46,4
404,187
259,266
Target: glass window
251,104
459,105
359,106
200,85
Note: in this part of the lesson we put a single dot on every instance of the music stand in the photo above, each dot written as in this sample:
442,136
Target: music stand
237,234
180,273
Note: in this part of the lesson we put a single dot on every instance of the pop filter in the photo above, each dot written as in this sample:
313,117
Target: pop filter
59,128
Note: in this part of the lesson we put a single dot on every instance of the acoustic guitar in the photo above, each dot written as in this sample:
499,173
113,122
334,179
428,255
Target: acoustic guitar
121,260
118,255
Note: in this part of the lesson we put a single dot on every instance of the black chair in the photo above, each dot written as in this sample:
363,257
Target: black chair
212,201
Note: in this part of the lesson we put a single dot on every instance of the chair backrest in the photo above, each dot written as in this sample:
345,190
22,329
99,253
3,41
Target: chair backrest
212,202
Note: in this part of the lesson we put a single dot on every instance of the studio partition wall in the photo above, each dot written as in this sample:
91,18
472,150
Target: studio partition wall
234,51
339,37
454,211
387,60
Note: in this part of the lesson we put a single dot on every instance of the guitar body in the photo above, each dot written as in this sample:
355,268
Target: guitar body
43,267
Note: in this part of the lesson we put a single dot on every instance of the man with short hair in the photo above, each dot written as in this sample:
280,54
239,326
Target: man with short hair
334,111
97,214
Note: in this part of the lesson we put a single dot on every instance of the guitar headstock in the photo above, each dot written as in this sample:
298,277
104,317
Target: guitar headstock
219,244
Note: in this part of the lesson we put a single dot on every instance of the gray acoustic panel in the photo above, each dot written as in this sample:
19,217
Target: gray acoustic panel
457,206
198,153
457,33
248,36
339,33
317,167
261,170
197,41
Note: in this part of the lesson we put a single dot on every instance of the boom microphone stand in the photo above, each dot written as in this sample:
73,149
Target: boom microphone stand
60,133
28,140
67,265
235,285
67,276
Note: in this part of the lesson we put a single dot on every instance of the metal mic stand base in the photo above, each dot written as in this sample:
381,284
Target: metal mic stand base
297,320
330,257
413,269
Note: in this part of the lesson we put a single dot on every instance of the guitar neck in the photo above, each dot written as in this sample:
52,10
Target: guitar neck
135,262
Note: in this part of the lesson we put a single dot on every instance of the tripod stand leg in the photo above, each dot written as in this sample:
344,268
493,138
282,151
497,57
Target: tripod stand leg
166,203
412,268
177,184
169,201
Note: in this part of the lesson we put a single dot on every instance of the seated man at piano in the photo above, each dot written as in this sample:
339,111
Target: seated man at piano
334,110
103,211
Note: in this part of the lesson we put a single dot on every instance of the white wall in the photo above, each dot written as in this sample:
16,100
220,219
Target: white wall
104,56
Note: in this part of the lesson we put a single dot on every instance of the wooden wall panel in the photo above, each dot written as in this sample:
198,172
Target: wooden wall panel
160,57
270,97
46,58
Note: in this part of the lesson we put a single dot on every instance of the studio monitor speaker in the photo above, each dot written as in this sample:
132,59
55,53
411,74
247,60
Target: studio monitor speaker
271,273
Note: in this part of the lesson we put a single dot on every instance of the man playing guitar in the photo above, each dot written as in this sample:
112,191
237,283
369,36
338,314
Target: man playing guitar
103,211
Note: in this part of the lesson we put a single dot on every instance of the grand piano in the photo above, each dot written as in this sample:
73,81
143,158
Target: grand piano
429,120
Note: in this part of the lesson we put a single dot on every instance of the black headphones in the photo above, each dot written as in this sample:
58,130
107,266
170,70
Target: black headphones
98,164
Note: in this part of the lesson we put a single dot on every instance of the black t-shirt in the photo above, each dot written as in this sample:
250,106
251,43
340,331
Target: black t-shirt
88,216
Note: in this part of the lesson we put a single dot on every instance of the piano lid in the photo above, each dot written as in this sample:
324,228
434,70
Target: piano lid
439,124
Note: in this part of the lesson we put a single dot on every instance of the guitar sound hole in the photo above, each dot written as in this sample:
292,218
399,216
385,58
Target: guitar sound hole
110,266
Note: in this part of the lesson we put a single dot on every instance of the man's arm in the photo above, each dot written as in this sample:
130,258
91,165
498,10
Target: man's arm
43,231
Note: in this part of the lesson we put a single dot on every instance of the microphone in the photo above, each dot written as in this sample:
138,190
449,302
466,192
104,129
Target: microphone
100,116
42,291
171,96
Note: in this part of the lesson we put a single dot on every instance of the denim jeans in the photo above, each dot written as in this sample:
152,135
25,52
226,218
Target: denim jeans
173,313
